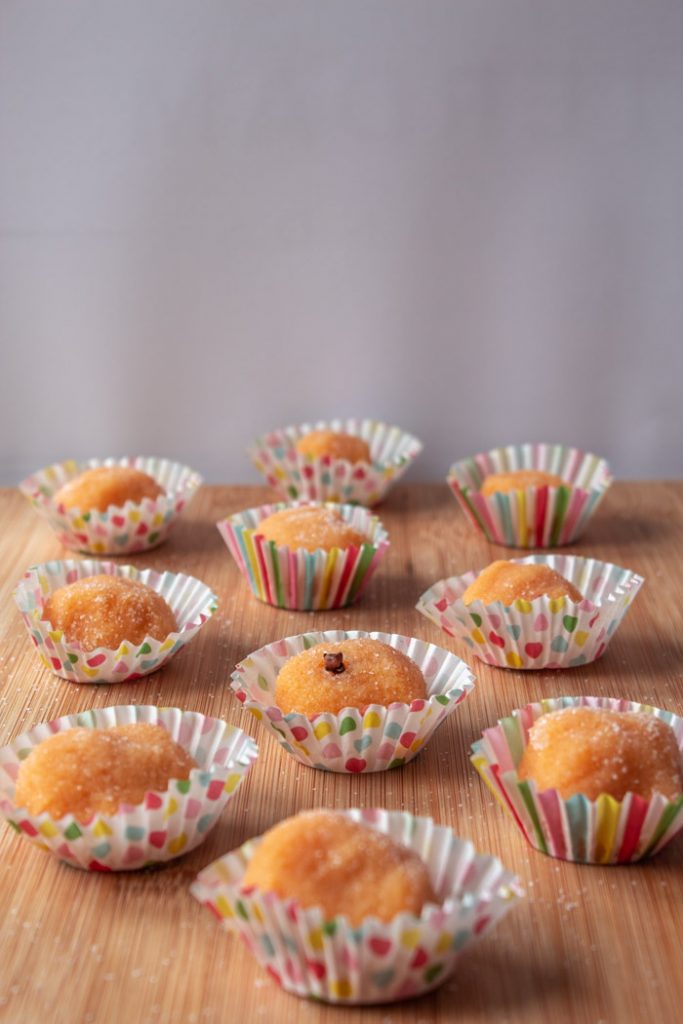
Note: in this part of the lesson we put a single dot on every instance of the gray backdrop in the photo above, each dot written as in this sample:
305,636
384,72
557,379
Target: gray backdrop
220,217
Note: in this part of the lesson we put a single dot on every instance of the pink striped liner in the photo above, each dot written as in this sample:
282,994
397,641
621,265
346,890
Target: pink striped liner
553,515
550,803
576,507
296,578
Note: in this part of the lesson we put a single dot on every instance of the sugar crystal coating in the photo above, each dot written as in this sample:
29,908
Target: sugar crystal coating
335,444
512,581
104,486
323,859
89,771
310,528
596,750
520,479
374,673
105,611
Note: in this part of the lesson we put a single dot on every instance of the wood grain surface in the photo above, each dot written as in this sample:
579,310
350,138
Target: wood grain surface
588,944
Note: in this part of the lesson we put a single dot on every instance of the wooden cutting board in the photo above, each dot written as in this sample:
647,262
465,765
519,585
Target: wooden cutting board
593,944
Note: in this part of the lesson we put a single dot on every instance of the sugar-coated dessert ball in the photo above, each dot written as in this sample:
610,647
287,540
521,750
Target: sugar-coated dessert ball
107,485
323,859
347,674
595,750
511,581
310,528
334,444
93,771
103,611
519,480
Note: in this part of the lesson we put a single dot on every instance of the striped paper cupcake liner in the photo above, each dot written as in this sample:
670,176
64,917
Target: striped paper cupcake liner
297,476
370,739
190,600
374,962
602,831
544,633
135,526
536,517
300,579
166,824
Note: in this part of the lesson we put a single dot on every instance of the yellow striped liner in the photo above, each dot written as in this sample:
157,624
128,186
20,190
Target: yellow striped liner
481,764
253,562
522,526
588,471
327,577
607,819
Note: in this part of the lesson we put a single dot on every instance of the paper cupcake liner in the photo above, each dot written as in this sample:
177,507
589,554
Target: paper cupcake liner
602,831
297,476
167,824
375,962
537,517
191,601
300,579
135,526
544,633
371,739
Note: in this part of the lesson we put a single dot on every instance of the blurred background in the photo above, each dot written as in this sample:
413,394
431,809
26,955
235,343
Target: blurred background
222,217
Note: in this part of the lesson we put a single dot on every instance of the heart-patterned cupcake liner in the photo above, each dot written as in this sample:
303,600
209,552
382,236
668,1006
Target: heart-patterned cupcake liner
192,602
375,962
602,831
297,476
370,739
544,633
537,517
135,526
166,824
299,579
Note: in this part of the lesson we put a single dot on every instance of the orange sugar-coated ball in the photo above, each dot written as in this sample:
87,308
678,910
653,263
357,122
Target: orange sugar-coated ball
520,479
310,528
89,771
323,859
347,674
512,581
107,485
595,750
335,444
103,611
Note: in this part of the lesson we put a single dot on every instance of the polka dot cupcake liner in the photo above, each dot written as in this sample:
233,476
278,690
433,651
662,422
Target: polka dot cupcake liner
370,739
544,633
191,601
602,831
536,517
297,476
299,579
167,824
135,526
374,962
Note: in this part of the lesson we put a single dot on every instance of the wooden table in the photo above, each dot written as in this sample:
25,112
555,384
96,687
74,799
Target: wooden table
588,944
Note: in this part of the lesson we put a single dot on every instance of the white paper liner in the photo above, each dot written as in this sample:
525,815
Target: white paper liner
167,824
544,633
135,526
299,579
602,831
192,602
536,517
297,476
374,962
369,740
